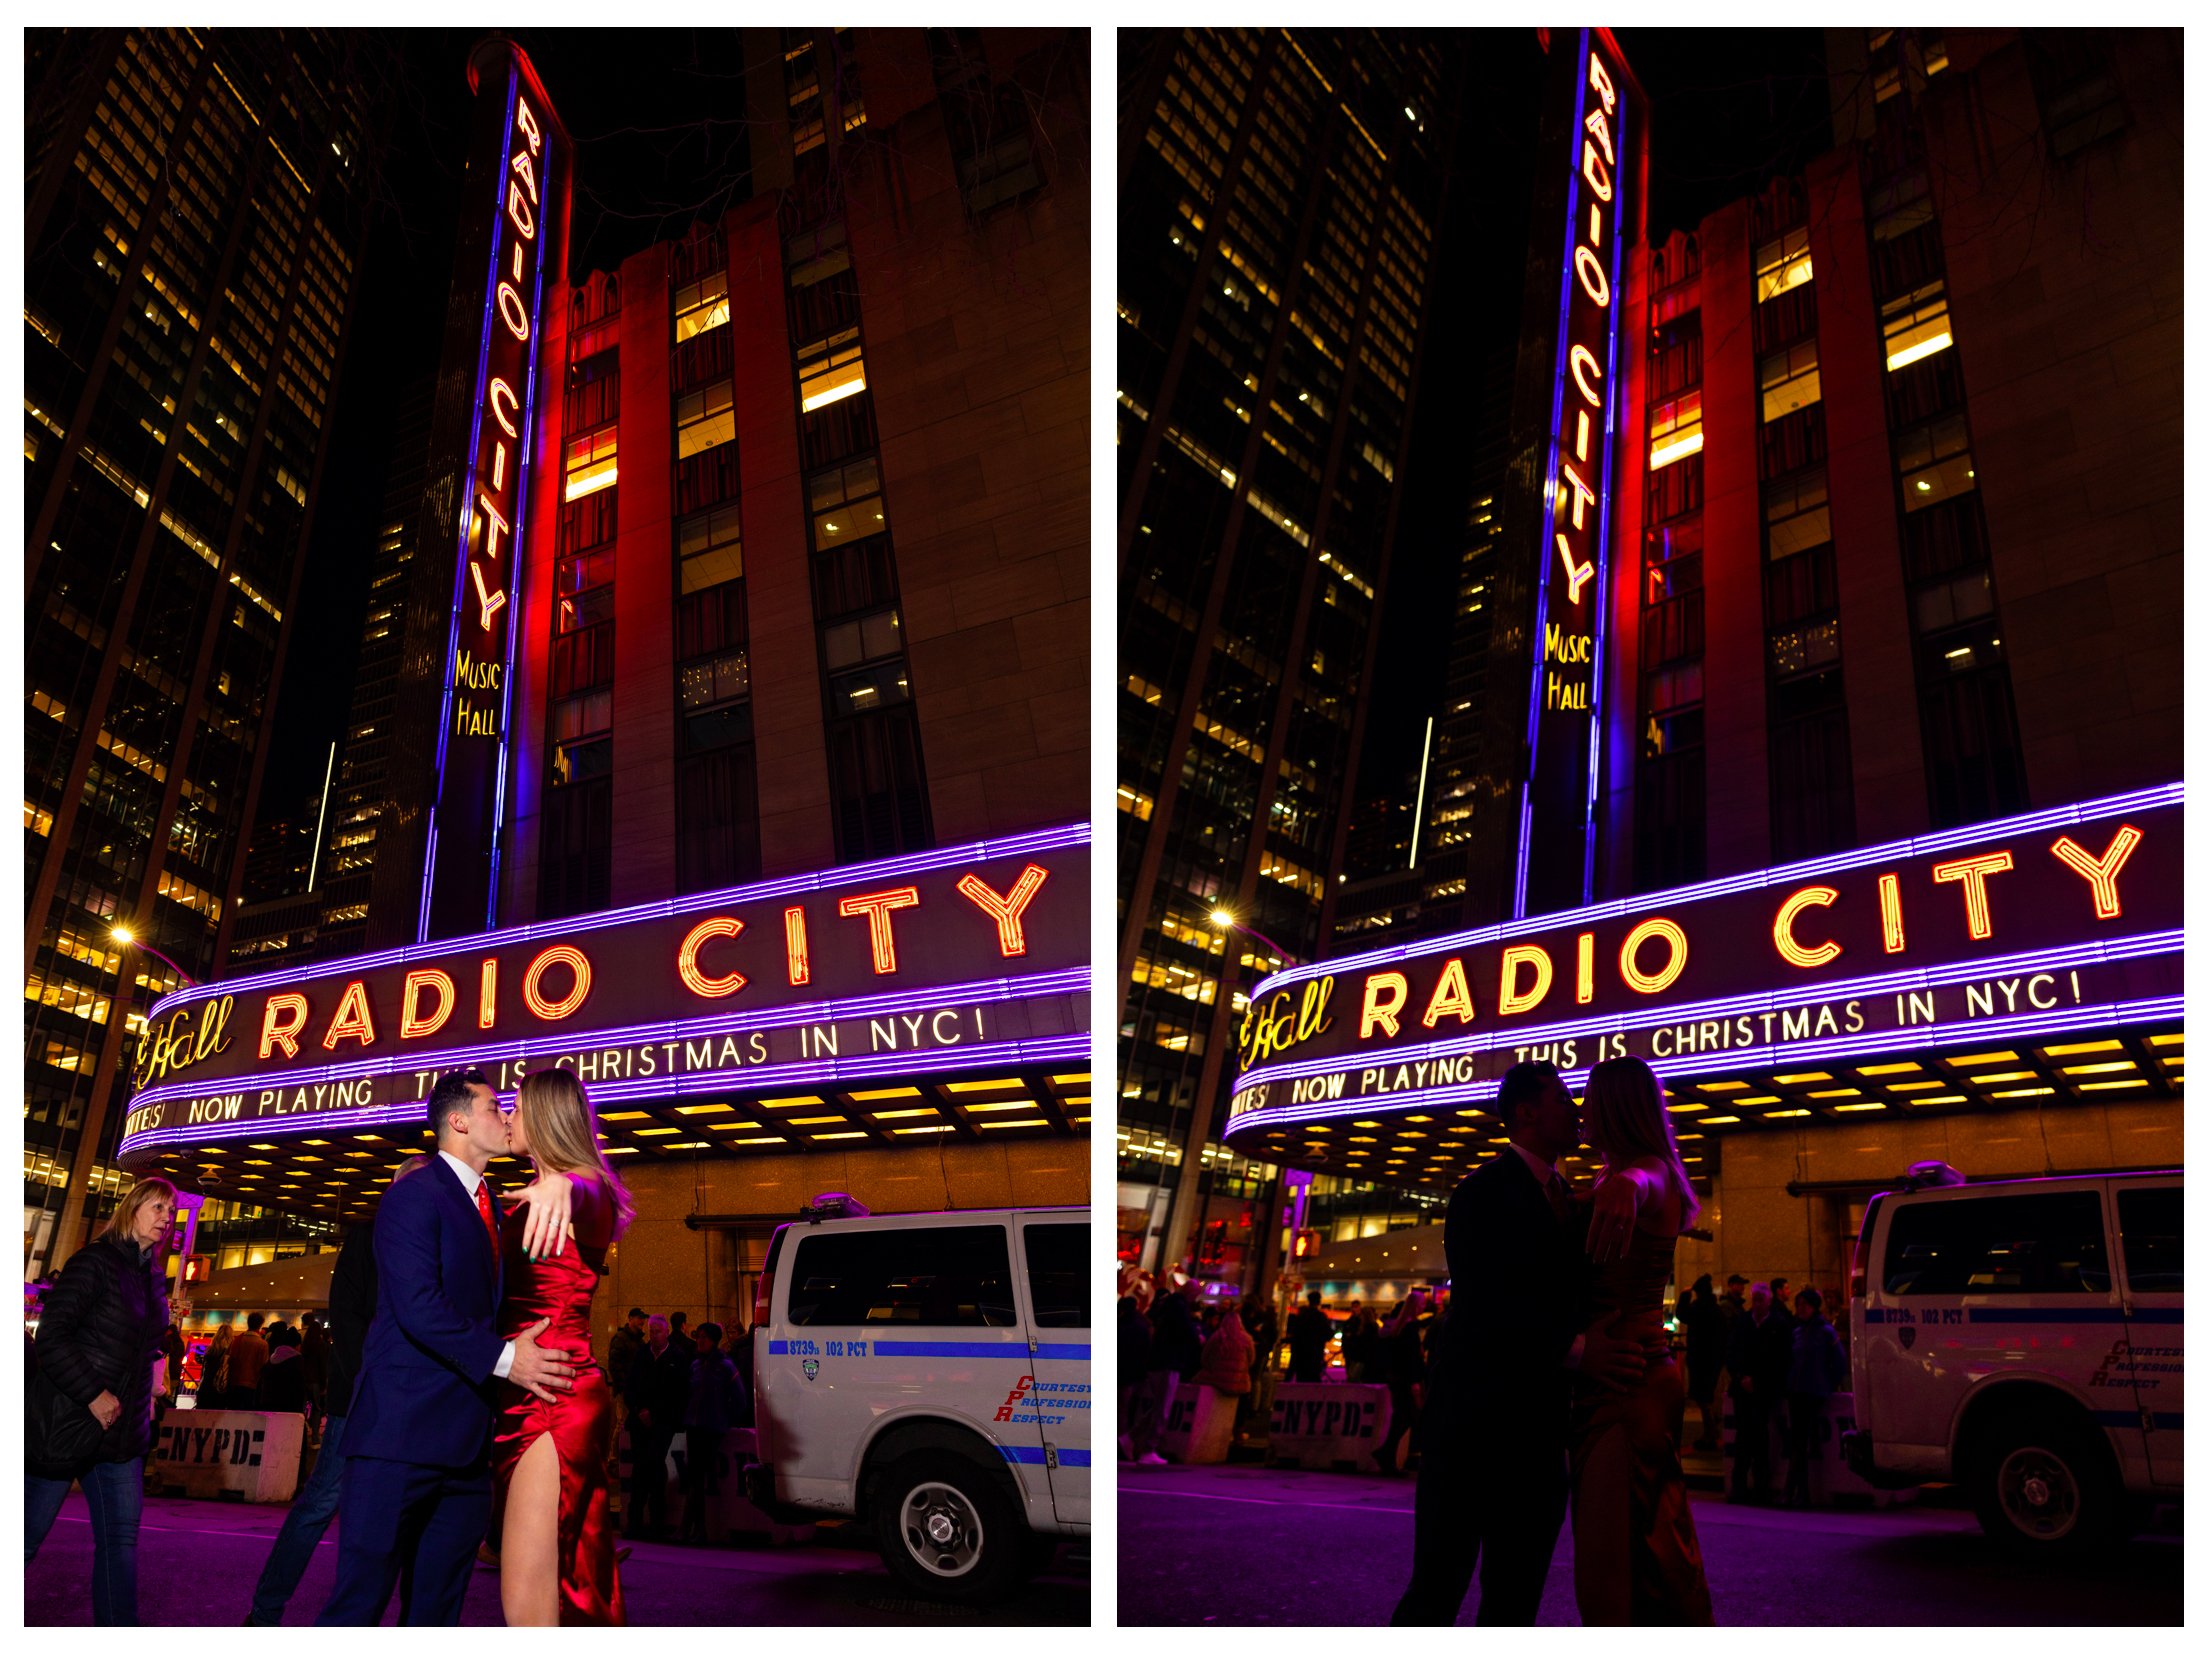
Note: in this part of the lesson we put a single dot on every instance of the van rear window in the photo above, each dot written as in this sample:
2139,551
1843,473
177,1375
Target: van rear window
903,1277
2049,1243
2149,1228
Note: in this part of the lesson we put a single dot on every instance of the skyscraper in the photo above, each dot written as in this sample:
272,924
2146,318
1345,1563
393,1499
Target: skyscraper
1279,200
195,209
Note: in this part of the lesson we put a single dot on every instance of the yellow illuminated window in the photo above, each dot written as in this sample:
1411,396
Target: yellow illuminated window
1916,326
591,478
704,419
1677,430
1789,379
701,305
830,369
846,503
1783,264
1936,462
710,548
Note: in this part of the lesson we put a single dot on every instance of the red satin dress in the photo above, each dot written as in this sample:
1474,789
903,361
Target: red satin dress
580,1422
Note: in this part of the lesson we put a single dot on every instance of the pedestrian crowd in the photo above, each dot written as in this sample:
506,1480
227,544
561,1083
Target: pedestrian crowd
108,1359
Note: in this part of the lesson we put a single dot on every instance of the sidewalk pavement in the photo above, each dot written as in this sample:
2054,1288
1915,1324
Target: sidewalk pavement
198,1562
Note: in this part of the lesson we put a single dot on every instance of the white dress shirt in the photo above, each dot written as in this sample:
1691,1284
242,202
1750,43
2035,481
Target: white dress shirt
469,1178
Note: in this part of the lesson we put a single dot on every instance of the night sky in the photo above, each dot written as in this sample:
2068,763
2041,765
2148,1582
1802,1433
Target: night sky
1730,108
657,117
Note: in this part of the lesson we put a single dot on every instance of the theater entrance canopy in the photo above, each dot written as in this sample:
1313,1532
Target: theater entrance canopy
2027,962
931,999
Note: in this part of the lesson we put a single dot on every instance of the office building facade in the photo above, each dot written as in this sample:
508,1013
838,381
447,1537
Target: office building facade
1279,202
196,204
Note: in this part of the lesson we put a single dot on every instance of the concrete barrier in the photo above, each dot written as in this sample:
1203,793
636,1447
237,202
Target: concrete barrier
252,1457
1329,1425
1200,1425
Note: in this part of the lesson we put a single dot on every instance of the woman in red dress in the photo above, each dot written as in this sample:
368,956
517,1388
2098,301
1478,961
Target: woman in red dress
550,1456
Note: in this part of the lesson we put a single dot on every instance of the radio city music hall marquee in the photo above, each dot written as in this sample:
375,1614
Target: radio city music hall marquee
2013,929
970,956
515,225
1601,163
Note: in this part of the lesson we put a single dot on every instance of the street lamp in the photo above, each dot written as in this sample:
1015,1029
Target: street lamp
123,936
1223,919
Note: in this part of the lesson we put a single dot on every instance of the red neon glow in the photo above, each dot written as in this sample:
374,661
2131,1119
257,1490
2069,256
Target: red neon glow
487,1001
1374,1013
1584,967
1006,909
2101,872
1511,998
1891,912
352,1020
1972,872
878,906
1676,941
794,946
1784,934
551,1010
292,1006
1453,996
416,1026
686,959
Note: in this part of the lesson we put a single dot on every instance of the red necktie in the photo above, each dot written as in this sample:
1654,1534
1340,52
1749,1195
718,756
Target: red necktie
490,1222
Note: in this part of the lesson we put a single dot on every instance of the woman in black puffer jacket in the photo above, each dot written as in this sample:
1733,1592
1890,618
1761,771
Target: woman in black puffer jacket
89,1406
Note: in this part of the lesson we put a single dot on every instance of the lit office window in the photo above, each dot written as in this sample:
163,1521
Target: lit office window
702,304
1936,463
704,419
1789,379
1783,263
1916,325
1677,430
830,369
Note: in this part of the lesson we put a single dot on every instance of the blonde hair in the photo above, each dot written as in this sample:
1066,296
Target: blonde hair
1625,1110
558,1122
140,1194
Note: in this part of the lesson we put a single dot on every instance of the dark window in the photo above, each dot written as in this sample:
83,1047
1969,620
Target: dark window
900,1277
876,785
1677,488
1669,802
1059,1272
717,805
587,522
1813,807
594,392
583,660
575,858
2076,83
1998,1244
2149,1229
1974,769
1676,357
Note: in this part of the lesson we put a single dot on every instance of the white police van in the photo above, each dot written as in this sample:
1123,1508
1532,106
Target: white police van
2024,1340
929,1373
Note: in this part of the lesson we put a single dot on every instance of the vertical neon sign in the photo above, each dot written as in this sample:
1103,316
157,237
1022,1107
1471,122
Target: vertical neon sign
1556,860
526,189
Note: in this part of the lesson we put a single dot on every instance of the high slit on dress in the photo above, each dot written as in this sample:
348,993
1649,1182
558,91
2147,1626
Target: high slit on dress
1635,1555
580,1422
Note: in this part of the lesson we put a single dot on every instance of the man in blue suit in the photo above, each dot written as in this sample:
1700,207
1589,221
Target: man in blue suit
417,1479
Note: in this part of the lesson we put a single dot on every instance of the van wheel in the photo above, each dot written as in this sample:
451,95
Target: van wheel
2044,1485
947,1530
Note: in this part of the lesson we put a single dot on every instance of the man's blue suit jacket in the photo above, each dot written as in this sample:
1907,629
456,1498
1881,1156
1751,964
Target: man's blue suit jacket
425,1392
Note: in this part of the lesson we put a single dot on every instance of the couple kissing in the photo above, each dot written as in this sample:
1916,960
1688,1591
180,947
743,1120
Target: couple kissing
478,1365
1553,1379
